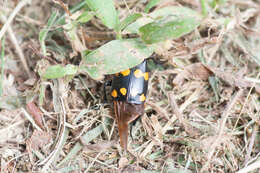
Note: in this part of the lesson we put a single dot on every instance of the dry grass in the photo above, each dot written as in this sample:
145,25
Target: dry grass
199,118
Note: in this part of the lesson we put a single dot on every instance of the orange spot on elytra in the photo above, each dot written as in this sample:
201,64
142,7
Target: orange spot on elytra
125,73
123,91
114,93
146,76
138,73
142,98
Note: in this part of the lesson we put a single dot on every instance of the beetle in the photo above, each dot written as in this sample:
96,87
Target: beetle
129,88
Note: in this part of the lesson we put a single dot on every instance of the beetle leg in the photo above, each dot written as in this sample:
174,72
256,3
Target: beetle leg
107,83
131,126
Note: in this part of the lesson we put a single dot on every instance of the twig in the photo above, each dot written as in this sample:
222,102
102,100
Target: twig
251,144
16,44
178,112
61,135
63,5
11,17
93,161
85,86
221,128
28,116
250,167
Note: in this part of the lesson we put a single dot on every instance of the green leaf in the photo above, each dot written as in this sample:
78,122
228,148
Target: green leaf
170,27
43,33
133,28
105,10
58,71
115,56
85,17
130,19
160,13
150,5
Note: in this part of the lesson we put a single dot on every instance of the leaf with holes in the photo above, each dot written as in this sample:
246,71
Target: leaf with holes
179,12
113,57
169,27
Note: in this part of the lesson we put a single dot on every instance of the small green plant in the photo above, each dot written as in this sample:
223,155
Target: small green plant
120,54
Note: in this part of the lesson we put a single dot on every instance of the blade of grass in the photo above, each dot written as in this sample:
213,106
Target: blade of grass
251,167
204,7
42,94
44,32
2,65
85,85
60,139
214,85
150,5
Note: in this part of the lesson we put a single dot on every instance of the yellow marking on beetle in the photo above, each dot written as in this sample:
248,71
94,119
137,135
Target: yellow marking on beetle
142,98
138,73
114,93
146,76
125,73
123,91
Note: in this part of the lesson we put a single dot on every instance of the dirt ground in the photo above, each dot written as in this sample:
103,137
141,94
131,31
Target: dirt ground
202,112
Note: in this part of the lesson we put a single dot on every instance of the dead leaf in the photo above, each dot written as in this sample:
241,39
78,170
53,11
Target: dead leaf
196,71
189,129
123,162
157,127
9,88
11,126
208,141
30,82
36,114
39,139
236,80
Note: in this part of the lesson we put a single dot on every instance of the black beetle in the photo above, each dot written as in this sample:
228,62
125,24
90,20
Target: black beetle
129,89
